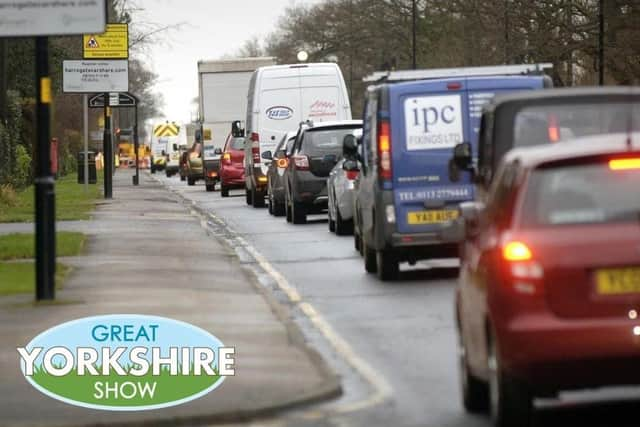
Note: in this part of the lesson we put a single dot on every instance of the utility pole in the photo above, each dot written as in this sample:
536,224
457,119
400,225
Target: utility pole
413,33
44,183
4,59
601,44
107,148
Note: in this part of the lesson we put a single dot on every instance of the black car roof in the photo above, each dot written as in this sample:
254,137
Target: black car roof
533,97
597,145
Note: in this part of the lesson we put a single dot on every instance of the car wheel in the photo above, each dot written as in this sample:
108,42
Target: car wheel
278,208
343,228
387,265
270,204
211,187
357,243
153,170
475,393
510,400
183,178
248,196
332,225
370,265
224,190
191,181
298,214
258,199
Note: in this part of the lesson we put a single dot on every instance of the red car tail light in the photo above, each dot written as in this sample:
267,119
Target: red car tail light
301,162
384,150
629,163
351,175
516,251
282,163
553,130
525,272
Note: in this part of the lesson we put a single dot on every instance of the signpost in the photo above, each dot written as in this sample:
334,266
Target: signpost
22,18
113,44
90,76
122,100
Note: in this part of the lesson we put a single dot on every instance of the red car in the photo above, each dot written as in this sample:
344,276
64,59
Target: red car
232,165
549,291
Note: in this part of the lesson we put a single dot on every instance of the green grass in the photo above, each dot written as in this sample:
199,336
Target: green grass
21,246
72,203
82,388
20,277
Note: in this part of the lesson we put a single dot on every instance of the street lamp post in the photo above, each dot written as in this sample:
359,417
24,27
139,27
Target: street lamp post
601,44
413,34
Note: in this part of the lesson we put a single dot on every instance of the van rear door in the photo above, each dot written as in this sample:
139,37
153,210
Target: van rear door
428,119
321,93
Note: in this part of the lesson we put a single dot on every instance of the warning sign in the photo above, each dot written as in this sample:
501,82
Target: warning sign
166,130
113,44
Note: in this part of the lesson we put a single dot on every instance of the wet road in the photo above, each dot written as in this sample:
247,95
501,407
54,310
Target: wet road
403,330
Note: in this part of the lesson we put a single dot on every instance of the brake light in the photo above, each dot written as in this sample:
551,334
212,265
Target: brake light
554,130
226,158
301,162
384,150
255,137
454,86
351,175
516,251
624,164
282,163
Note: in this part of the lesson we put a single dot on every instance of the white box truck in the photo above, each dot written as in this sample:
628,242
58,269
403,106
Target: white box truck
222,89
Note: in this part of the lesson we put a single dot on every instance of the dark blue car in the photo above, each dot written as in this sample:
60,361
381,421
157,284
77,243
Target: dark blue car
405,195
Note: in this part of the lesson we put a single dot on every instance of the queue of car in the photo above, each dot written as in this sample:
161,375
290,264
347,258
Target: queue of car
534,189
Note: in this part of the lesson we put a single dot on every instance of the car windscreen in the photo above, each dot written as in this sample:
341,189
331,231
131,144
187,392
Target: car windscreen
321,142
597,192
553,123
209,152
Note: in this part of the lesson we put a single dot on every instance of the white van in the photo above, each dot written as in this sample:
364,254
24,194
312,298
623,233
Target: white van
279,98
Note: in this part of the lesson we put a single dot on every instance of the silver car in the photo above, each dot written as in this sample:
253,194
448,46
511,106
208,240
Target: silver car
340,189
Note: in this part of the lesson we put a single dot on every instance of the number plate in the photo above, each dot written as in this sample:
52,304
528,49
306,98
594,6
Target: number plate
431,217
618,281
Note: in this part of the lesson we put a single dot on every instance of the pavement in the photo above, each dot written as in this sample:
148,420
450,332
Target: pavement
148,253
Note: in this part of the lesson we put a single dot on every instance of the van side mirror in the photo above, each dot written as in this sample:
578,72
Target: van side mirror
349,147
175,147
217,151
267,155
462,156
236,129
471,213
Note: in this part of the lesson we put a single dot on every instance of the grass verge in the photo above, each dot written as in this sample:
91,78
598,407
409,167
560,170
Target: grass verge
22,245
20,277
72,203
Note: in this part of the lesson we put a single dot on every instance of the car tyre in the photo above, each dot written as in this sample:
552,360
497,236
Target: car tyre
298,214
278,209
511,401
248,196
357,243
211,187
257,198
183,178
475,393
191,181
343,228
387,265
332,225
370,264
224,190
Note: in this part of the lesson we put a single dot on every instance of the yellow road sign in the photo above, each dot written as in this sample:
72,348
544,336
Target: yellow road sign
166,129
113,44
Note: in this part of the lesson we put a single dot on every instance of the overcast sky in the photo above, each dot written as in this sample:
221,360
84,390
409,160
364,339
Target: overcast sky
211,29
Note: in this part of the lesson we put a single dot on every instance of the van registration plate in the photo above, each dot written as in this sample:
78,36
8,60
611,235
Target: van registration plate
618,281
431,217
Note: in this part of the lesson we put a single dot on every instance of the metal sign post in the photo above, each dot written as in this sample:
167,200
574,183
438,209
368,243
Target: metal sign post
107,149
85,109
118,100
44,184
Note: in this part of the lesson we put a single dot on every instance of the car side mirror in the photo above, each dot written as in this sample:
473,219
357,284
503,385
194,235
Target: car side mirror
267,155
217,151
164,153
236,129
350,146
462,156
175,147
350,166
471,214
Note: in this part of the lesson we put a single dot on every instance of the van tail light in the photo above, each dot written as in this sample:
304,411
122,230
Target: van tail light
384,151
226,158
282,163
525,274
301,162
255,148
352,175
255,137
